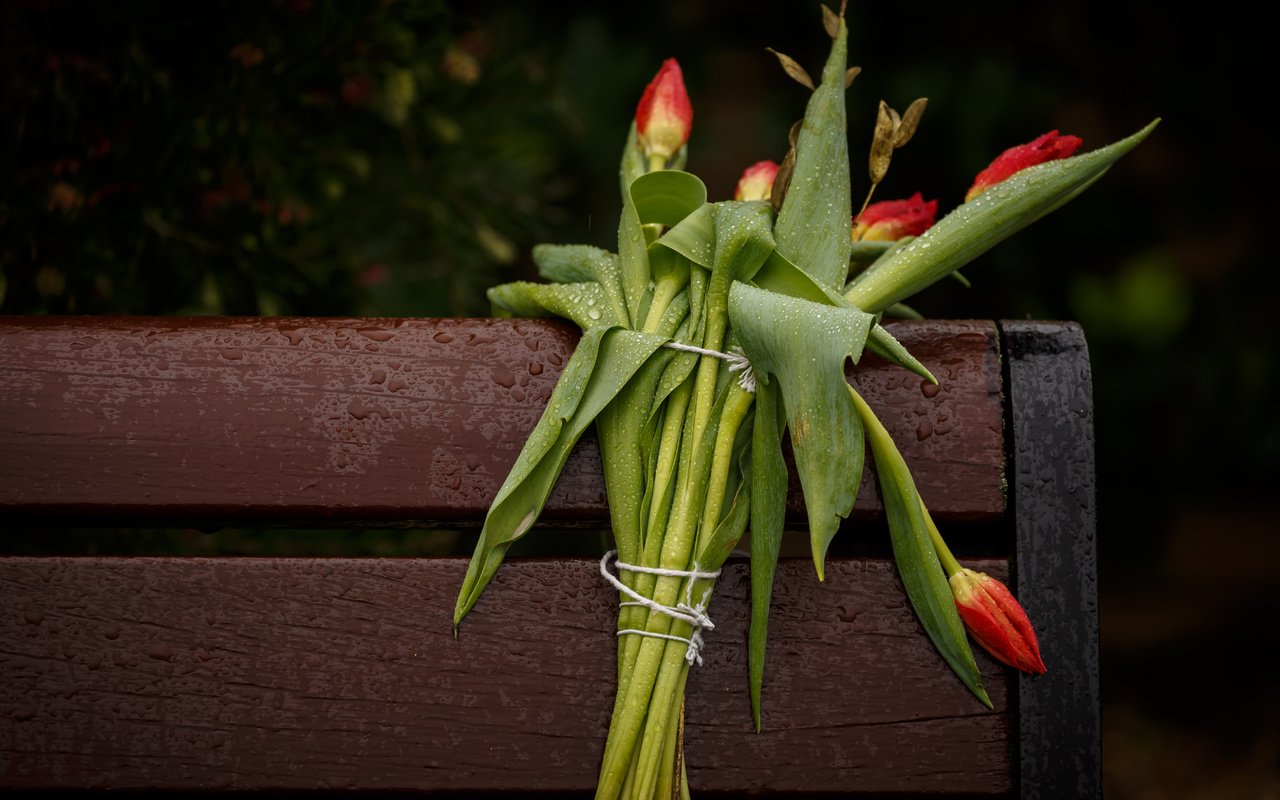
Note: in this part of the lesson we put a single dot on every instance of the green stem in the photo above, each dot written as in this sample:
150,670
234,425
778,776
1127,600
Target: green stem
632,617
657,162
663,293
675,667
736,406
677,545
949,563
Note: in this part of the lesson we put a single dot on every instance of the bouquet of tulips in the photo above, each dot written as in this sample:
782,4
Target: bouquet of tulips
715,329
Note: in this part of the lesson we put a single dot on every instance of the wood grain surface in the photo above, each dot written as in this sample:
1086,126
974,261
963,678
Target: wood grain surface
314,422
343,674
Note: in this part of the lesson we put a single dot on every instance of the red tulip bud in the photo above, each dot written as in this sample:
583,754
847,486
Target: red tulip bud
1049,147
756,182
893,219
664,116
996,620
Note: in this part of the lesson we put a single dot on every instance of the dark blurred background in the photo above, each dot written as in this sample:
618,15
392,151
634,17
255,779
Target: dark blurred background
396,158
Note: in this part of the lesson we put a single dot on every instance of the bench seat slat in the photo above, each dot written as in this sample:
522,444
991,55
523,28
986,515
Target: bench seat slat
343,673
335,422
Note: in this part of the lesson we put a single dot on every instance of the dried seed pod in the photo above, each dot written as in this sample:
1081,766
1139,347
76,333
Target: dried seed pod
831,22
782,181
882,142
910,121
850,74
793,69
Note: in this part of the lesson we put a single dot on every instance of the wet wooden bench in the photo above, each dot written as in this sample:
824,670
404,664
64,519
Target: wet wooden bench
325,674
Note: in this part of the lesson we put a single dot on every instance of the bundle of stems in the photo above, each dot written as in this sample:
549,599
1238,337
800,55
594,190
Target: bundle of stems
691,446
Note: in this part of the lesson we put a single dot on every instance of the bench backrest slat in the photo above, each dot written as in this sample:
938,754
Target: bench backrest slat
321,422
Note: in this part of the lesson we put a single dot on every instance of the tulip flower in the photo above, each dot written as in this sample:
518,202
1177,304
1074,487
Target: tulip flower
894,219
996,620
1049,147
664,116
756,182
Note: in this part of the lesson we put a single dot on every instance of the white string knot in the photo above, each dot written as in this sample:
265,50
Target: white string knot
689,612
738,362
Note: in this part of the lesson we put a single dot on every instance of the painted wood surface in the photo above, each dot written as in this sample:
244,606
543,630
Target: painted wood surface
212,422
344,674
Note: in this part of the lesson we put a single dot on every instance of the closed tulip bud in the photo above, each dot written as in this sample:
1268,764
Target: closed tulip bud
756,182
664,116
996,621
1049,147
894,219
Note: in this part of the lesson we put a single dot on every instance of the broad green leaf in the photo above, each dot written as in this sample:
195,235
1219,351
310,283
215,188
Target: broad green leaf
913,549
768,511
744,240
805,344
694,237
882,343
814,224
983,222
778,274
781,276
584,303
633,253
603,362
580,263
667,197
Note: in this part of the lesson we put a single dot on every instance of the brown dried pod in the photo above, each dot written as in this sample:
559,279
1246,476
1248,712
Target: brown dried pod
831,22
782,181
850,74
793,69
882,142
910,121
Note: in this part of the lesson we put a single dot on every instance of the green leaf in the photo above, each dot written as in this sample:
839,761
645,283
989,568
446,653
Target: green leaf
768,512
633,253
805,344
815,222
581,263
981,223
666,197
694,237
602,364
913,549
882,343
586,304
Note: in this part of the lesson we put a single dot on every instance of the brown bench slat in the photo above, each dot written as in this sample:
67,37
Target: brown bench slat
224,421
343,673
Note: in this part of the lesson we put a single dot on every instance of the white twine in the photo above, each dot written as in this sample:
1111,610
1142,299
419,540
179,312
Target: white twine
694,614
738,362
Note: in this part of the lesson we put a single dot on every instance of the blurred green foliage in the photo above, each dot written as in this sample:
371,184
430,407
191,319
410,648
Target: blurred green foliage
291,157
